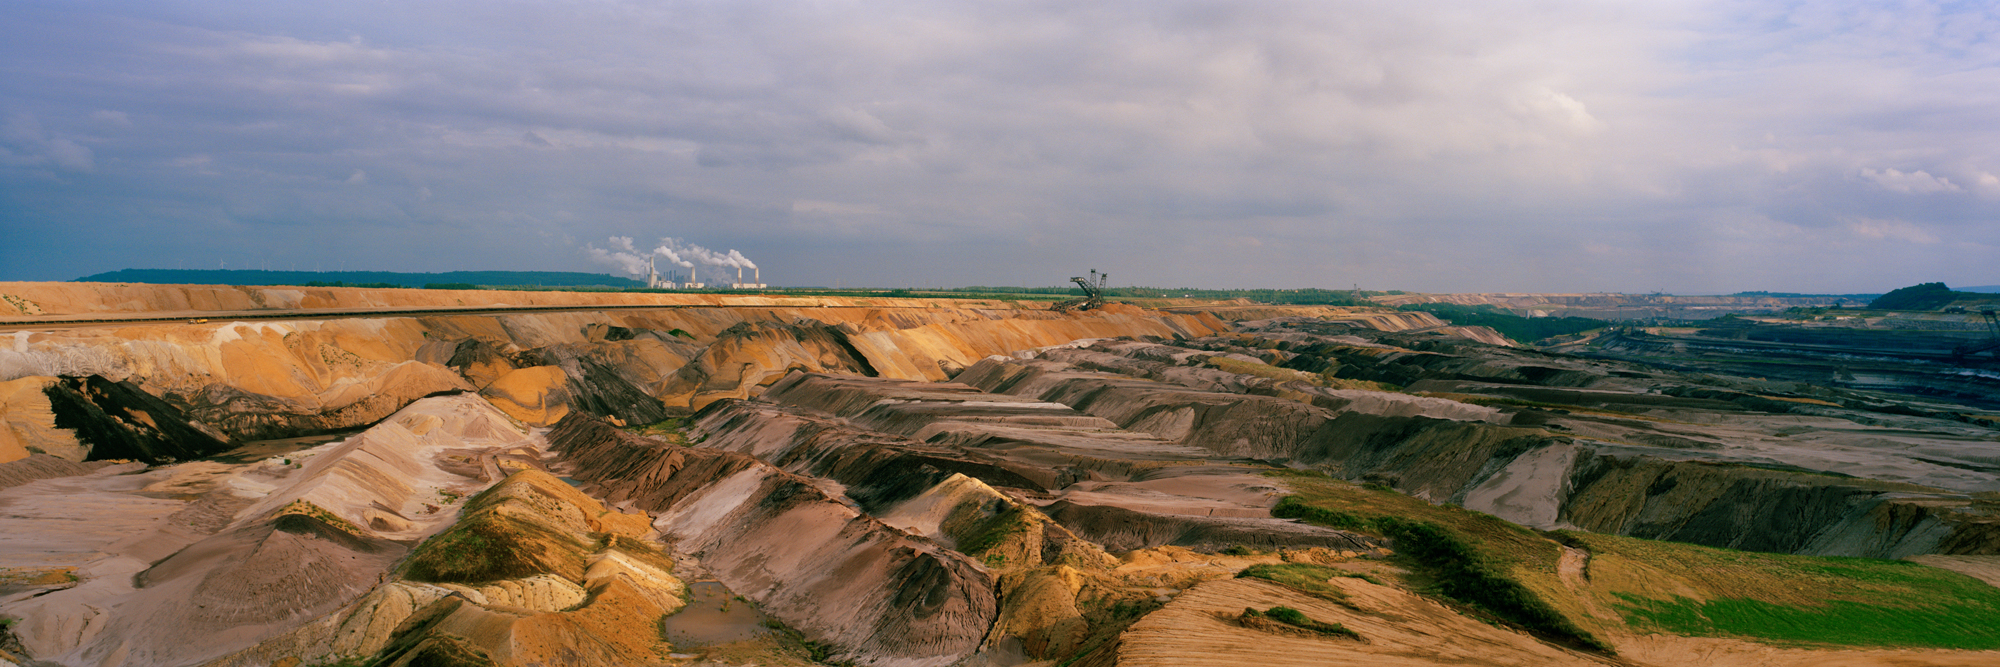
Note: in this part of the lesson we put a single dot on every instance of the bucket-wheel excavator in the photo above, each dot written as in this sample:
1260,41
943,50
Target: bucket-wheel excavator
1093,293
1992,342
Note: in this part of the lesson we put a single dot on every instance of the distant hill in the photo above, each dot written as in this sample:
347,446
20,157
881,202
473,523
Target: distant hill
1983,289
360,278
1931,296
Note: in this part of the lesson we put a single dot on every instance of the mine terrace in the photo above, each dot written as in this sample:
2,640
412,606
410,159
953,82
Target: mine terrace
288,476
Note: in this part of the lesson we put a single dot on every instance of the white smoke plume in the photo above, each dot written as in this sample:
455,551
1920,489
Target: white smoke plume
668,253
621,255
627,258
700,255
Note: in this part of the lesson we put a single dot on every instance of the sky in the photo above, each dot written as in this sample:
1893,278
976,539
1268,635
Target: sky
1538,146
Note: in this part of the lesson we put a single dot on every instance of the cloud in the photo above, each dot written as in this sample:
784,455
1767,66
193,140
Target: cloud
32,145
117,119
1424,145
1891,230
1916,182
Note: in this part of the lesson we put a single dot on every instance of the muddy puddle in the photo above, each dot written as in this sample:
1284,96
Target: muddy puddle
713,615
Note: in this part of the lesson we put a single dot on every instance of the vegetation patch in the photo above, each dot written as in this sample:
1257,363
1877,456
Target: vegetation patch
1439,545
29,577
1921,296
673,430
323,515
976,531
1107,621
1314,580
489,547
1522,329
1782,598
1288,375
1461,573
1287,617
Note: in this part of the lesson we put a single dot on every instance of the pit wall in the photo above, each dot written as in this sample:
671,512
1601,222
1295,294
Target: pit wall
275,379
37,299
1366,318
1616,306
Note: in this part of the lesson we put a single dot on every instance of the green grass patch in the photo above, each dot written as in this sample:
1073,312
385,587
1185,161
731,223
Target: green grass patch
1474,559
672,430
1303,577
488,547
1786,599
1297,619
975,531
325,516
1952,625
1516,327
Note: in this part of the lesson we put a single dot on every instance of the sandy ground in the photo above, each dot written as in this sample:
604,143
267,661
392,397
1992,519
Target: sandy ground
74,520
1399,630
1670,651
1983,568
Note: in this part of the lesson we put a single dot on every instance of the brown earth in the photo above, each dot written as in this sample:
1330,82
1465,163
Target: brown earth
954,483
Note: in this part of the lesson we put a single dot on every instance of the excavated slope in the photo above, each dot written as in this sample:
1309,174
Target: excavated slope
883,596
235,554
55,299
1121,489
1639,454
266,380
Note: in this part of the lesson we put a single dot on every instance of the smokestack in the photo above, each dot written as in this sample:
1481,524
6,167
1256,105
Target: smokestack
757,276
690,274
739,275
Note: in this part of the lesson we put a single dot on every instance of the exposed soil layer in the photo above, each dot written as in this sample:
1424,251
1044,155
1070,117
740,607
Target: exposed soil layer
1545,440
42,466
118,420
930,486
882,596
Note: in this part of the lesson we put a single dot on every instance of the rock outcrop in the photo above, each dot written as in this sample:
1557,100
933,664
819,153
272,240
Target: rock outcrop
118,420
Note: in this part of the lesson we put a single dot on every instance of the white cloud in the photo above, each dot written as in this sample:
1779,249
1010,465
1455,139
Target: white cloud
1916,182
1021,137
33,146
1890,230
116,119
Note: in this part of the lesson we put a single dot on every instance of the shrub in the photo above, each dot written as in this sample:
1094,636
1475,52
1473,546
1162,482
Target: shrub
1300,620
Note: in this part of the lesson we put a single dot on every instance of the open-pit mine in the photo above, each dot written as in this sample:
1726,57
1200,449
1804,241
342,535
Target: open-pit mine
298,476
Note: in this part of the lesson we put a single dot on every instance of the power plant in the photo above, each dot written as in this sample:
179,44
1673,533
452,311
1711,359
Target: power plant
645,263
670,281
756,280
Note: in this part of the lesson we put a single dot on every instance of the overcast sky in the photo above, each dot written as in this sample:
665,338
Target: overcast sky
1550,145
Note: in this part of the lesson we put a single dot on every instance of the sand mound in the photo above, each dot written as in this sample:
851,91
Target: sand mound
1397,628
249,552
880,595
530,577
42,466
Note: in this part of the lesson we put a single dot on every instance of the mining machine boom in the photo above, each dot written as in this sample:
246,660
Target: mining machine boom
1093,293
1992,342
